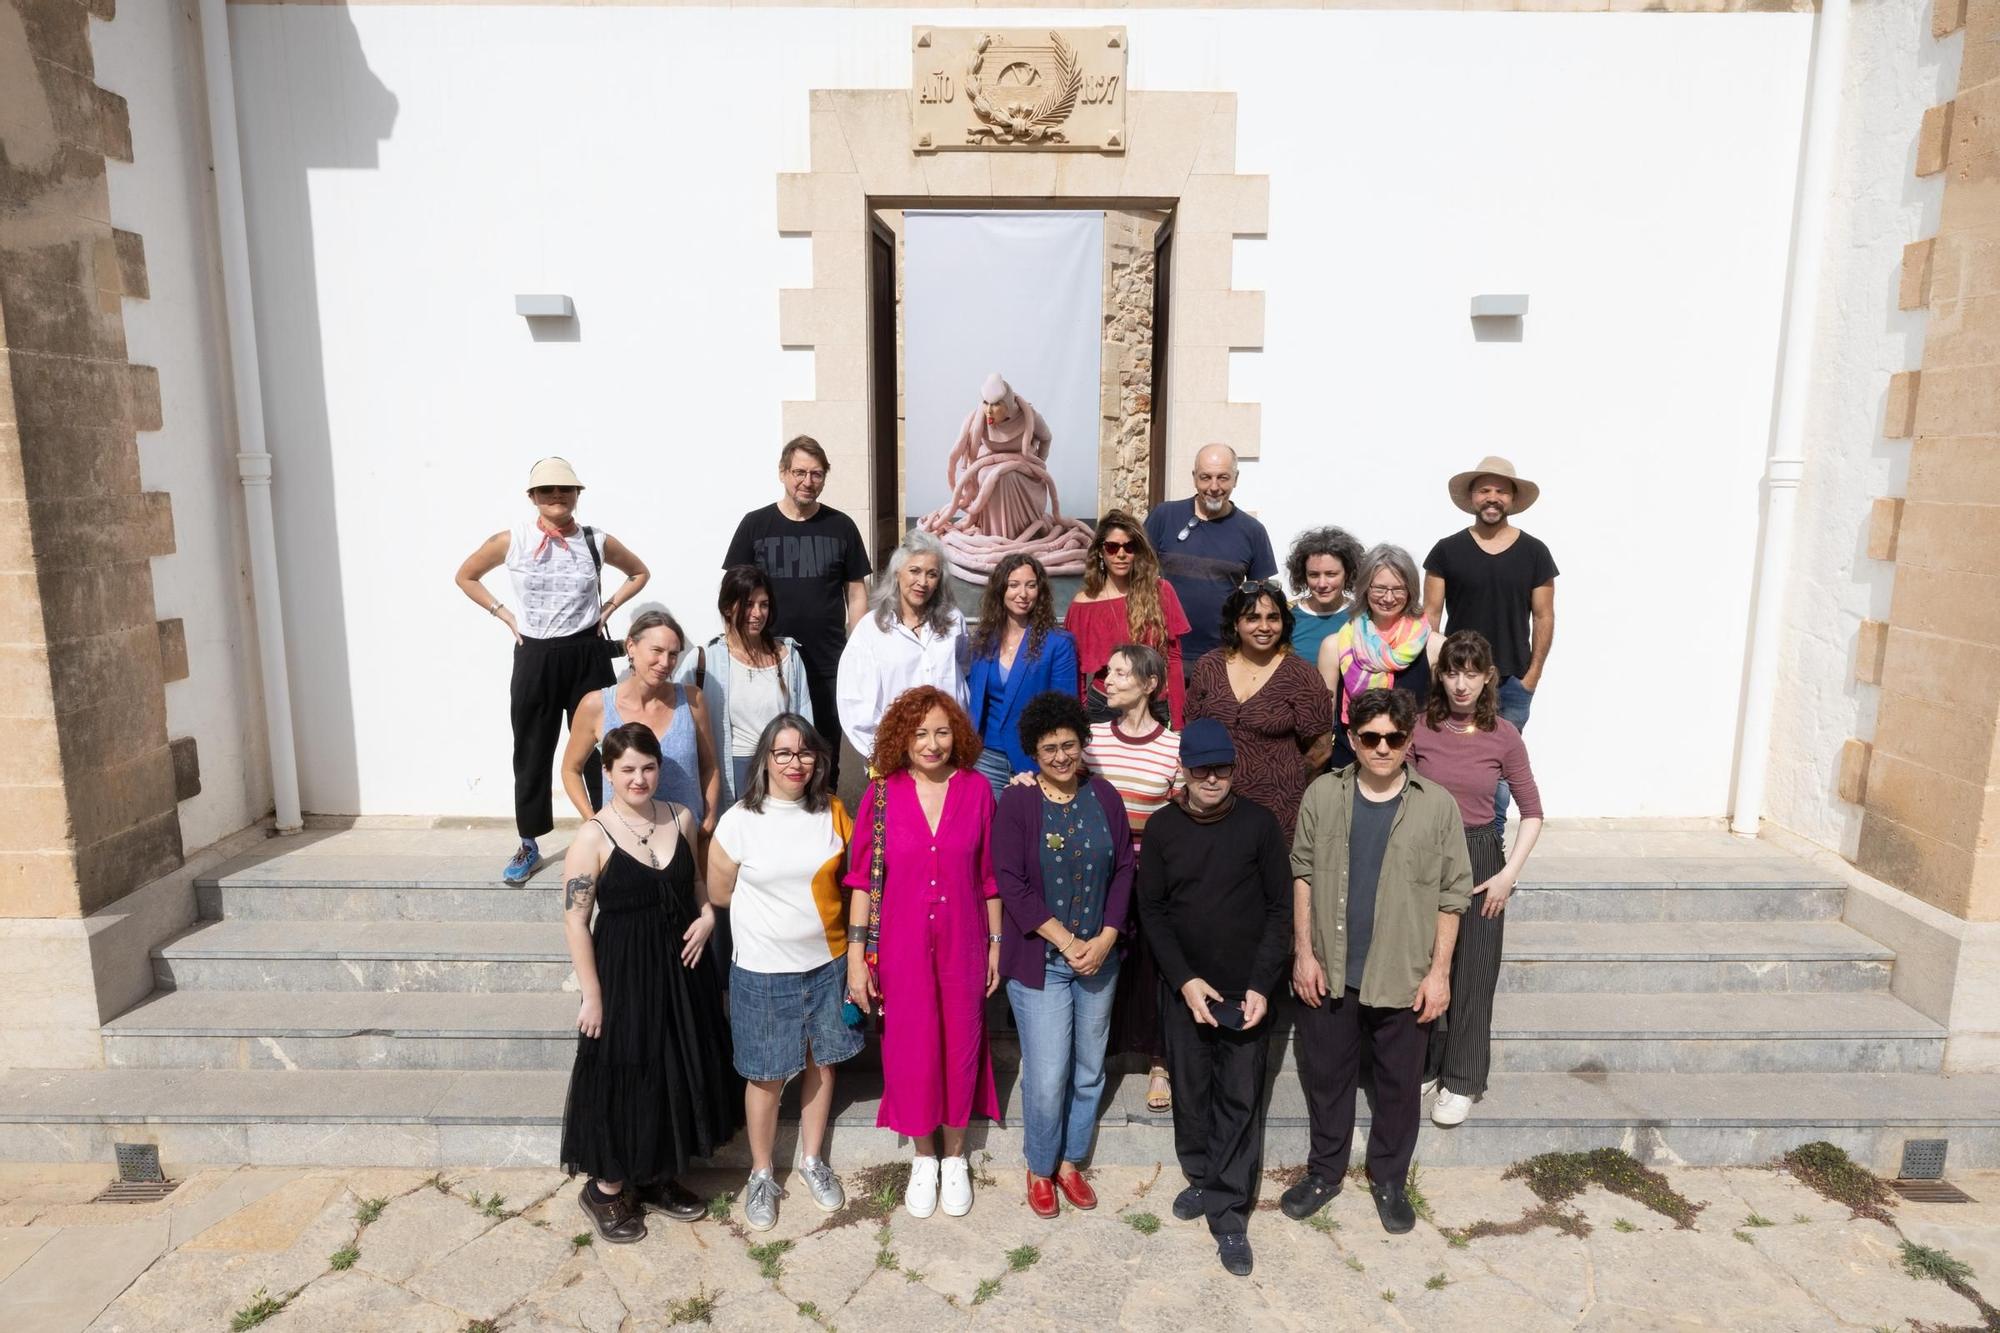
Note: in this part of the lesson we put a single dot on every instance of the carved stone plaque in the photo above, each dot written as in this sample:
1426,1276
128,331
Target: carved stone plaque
1014,88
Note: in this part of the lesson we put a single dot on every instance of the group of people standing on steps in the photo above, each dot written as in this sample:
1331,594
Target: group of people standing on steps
1143,821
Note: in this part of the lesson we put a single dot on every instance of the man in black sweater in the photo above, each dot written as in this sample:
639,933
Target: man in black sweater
1215,902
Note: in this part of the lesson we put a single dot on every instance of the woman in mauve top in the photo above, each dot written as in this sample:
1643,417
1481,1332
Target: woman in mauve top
1277,710
1124,600
1463,744
927,946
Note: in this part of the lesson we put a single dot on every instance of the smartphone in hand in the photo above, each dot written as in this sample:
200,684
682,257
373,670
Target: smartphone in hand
1228,1014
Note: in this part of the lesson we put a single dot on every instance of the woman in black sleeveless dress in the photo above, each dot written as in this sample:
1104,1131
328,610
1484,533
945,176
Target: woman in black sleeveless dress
654,1083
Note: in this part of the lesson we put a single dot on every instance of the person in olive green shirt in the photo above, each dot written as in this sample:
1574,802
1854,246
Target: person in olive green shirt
1381,876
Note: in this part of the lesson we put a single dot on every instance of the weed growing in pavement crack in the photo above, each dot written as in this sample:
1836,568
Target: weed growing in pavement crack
809,1310
1921,1261
984,1293
1838,1177
1621,1224
581,1240
696,1309
1323,1223
493,1205
482,1326
260,1308
884,1256
1389,1296
981,1176
1143,1223
718,1207
1558,1177
1743,1236
370,1210
1355,1263
1757,1219
343,1258
1458,1240
1800,1217
912,1275
770,1257
1436,1282
1022,1257
439,1183
876,1192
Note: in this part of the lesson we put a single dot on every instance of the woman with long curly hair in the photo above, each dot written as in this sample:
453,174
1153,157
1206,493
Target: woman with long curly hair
1124,600
1017,653
924,936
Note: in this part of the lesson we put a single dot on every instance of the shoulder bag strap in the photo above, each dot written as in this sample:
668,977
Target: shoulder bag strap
876,873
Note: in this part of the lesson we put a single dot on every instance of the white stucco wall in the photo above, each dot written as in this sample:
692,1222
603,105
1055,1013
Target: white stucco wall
1895,71
149,55
410,169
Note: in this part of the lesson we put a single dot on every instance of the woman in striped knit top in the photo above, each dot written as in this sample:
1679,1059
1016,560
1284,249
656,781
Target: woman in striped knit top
1139,756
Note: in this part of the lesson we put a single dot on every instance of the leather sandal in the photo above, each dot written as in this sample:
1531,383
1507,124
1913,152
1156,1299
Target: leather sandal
1159,1103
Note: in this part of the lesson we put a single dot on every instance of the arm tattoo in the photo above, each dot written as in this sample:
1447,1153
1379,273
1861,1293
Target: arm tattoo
579,893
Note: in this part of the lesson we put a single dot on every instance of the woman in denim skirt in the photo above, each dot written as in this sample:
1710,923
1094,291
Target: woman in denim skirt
775,861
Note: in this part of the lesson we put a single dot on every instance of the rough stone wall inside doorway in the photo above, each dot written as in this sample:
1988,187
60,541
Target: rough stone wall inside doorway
1180,155
1929,782
1126,363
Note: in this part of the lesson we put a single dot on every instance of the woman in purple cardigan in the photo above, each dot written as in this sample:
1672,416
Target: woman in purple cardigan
1062,857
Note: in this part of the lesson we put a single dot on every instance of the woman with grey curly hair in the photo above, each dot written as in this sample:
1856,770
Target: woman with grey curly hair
912,635
1385,644
1321,569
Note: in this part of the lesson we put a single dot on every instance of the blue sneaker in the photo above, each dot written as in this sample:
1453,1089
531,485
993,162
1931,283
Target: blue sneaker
523,864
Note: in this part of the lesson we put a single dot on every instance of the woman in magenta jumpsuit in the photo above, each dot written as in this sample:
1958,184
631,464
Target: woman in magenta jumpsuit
925,941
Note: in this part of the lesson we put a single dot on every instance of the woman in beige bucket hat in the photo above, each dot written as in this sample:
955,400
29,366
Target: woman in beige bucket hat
560,652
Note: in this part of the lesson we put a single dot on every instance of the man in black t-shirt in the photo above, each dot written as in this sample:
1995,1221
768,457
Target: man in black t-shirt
1495,578
818,568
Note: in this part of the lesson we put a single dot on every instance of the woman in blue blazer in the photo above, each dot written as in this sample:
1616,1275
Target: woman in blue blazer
1017,653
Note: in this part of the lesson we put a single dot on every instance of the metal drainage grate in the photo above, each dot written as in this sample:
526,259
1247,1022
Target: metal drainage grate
140,1179
1930,1191
1923,1159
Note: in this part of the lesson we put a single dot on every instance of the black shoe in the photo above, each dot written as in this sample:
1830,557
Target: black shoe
1188,1205
1392,1205
672,1199
1307,1197
1233,1248
617,1217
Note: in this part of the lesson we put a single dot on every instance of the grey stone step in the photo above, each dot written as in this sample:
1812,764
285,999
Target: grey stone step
1542,957
1581,1033
443,1119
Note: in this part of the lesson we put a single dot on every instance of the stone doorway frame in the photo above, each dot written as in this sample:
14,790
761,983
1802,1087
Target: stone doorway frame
1181,156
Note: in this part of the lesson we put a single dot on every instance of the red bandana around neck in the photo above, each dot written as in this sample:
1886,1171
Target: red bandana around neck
551,533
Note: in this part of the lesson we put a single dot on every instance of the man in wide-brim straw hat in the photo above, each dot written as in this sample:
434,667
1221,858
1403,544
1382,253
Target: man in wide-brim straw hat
1499,580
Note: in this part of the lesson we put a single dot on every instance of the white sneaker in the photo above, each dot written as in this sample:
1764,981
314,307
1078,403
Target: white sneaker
1430,1086
957,1187
1451,1108
922,1196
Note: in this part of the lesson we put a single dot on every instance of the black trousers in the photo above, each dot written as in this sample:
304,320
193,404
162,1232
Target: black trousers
1461,1048
826,715
551,676
1218,1110
1333,1039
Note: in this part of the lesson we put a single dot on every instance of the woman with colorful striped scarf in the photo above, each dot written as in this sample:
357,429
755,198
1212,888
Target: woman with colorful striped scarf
1388,647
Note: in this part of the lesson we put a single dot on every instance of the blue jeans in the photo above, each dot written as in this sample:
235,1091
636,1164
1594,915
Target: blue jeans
994,765
1515,701
1064,1027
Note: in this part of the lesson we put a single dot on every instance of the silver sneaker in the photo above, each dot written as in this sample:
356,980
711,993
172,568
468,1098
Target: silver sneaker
760,1201
825,1185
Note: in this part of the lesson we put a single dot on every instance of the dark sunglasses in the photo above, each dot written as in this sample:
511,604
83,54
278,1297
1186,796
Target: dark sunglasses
554,490
1119,548
1374,740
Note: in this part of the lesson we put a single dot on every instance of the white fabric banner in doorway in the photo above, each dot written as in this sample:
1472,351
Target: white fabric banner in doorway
1020,293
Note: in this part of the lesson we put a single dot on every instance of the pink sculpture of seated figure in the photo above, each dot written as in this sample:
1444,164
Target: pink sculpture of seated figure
1003,499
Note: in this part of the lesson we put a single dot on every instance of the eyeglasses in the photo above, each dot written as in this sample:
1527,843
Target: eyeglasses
1119,548
806,474
789,757
1376,740
550,491
1059,749
1203,772
1181,536
1257,585
1389,593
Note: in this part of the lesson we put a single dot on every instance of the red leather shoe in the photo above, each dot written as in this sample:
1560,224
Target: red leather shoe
1076,1189
1042,1196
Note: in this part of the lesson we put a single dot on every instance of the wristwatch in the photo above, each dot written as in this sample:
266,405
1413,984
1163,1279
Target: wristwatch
993,939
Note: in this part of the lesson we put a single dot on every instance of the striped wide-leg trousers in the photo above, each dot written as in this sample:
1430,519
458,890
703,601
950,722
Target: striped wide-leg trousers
1461,1049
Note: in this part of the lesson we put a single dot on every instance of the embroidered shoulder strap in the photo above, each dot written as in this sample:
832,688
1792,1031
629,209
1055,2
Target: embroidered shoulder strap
872,950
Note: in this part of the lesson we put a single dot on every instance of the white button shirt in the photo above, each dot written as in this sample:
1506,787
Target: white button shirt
879,664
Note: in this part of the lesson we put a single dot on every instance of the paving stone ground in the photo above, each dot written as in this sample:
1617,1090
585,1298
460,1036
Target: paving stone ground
505,1250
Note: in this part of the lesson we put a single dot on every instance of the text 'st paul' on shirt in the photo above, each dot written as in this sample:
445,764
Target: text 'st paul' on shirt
788,913
810,562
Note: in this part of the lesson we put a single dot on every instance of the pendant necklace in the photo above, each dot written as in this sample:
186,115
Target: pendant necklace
645,839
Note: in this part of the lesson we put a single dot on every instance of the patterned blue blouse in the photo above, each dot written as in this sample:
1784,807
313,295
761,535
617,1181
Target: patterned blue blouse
1076,862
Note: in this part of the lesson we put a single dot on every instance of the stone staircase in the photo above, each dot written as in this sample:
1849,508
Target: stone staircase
377,997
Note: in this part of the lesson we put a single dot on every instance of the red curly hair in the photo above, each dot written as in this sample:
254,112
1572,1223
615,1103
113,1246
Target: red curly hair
898,729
